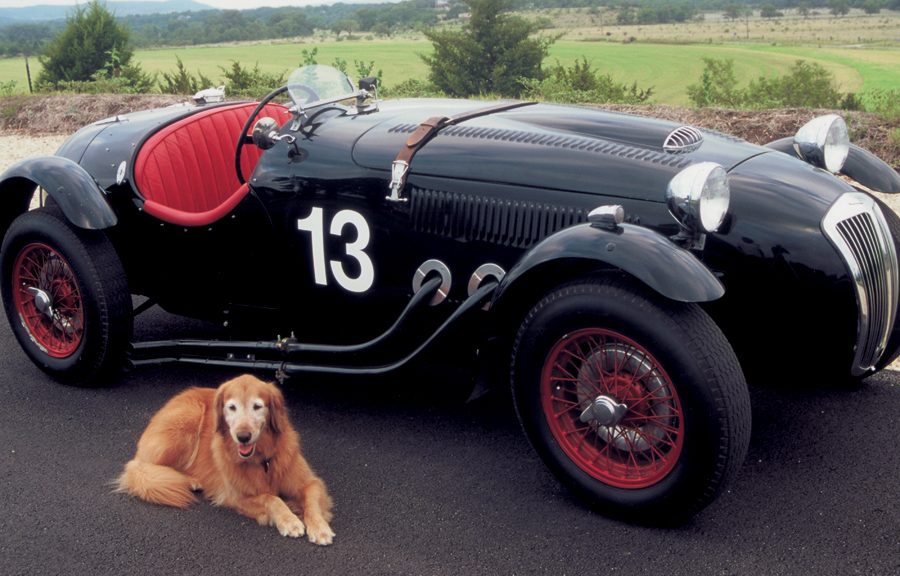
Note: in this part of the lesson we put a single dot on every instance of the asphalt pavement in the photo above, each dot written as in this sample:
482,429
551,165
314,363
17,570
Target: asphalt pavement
425,484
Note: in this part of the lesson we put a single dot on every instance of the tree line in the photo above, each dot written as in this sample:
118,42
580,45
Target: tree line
216,26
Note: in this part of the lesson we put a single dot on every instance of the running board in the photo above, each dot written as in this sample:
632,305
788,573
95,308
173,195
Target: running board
244,354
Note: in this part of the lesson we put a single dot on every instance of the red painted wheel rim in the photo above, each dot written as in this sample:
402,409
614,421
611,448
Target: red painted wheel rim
642,447
48,300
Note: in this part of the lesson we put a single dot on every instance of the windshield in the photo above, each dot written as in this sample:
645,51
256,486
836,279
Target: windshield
311,86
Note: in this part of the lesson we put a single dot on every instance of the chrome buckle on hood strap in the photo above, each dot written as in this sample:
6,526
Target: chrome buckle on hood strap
425,132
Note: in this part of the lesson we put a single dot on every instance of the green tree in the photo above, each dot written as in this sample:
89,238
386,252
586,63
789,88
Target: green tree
717,86
492,54
91,41
768,10
839,7
807,84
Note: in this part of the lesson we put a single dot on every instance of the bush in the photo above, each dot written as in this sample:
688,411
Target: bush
411,88
807,85
717,87
491,54
581,84
250,82
8,88
84,46
183,82
885,103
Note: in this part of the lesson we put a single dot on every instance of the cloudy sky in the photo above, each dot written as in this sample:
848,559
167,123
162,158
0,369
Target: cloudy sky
232,4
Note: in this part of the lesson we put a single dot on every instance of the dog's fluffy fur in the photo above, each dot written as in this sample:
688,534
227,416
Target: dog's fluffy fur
237,445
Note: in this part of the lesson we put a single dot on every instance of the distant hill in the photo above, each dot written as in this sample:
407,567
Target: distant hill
43,13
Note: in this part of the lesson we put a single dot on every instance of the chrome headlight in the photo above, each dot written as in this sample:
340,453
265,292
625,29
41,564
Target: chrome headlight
824,142
698,197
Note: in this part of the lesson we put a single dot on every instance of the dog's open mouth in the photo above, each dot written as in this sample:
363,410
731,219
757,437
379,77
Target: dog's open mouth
246,450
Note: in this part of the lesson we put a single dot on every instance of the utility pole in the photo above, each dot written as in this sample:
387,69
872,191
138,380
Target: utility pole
28,74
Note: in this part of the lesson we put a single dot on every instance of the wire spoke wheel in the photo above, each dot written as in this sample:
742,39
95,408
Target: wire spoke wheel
66,296
48,300
612,408
635,402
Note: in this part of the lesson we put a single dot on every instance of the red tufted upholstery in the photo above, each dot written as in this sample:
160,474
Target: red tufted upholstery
185,172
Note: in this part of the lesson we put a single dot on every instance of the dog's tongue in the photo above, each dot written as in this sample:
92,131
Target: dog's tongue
246,450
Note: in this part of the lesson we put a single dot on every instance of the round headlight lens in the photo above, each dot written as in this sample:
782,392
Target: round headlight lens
698,197
824,141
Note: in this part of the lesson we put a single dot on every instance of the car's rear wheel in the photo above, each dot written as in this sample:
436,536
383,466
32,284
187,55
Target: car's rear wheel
66,296
637,403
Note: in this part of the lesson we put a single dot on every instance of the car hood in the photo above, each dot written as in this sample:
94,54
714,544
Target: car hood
571,148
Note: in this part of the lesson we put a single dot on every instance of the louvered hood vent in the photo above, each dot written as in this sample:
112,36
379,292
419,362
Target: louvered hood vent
683,139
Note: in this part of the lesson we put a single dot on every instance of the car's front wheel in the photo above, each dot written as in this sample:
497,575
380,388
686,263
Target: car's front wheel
66,296
637,403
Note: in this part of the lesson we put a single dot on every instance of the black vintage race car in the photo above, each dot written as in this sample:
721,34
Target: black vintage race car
625,272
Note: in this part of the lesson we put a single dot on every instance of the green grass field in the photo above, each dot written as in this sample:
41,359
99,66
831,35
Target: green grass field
669,68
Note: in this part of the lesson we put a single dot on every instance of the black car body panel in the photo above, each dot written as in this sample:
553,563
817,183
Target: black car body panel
609,265
487,190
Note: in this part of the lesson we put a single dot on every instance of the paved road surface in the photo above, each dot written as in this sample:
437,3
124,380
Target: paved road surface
428,485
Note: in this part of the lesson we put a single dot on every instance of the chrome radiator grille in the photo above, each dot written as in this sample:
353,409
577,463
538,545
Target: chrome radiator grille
858,229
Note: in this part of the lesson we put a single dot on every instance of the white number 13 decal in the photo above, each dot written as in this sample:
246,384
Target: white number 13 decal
314,224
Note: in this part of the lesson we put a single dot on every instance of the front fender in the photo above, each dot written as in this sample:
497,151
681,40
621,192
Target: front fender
648,256
861,165
79,197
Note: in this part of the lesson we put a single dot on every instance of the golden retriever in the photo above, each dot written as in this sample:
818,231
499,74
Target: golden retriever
237,445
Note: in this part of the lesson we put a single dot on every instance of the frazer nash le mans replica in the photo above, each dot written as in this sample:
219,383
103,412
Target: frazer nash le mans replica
624,273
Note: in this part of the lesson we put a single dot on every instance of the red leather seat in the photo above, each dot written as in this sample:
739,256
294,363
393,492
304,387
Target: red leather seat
185,172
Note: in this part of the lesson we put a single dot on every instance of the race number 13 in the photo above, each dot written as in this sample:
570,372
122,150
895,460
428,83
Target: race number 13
315,225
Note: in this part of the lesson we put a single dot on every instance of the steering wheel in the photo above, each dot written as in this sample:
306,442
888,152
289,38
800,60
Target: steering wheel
244,138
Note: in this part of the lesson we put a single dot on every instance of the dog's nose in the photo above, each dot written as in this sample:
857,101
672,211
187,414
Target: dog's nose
243,437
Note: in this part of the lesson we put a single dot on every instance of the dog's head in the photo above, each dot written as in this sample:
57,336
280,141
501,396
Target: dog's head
247,408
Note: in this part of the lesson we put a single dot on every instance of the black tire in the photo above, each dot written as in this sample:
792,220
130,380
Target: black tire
682,427
66,297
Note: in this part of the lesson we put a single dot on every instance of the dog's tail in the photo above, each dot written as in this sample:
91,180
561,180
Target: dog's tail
156,483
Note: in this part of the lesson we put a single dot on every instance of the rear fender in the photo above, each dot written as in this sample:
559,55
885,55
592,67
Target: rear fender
670,270
861,165
79,197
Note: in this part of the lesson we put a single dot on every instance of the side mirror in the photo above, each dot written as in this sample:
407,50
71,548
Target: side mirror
368,84
265,133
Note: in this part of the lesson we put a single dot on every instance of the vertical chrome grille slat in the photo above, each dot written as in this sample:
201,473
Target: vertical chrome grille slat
857,228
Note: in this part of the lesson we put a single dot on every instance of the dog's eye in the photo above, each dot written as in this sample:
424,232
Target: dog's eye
231,407
257,406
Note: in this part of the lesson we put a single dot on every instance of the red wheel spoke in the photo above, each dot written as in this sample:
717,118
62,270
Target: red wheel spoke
41,267
635,451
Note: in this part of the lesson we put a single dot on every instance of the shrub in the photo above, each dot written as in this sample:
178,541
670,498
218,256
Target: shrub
183,82
250,82
717,87
491,54
411,88
92,54
8,88
84,46
885,103
807,85
580,84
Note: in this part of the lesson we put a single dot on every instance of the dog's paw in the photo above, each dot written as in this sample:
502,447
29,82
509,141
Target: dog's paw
320,534
292,528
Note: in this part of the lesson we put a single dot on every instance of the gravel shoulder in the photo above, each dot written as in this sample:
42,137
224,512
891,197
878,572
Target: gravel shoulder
15,147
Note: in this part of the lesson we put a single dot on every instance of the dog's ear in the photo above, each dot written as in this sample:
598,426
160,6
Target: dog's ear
278,417
219,406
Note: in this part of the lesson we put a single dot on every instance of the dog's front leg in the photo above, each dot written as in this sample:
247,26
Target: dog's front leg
272,511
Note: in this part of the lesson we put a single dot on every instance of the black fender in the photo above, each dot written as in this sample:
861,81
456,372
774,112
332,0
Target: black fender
79,197
670,270
861,165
